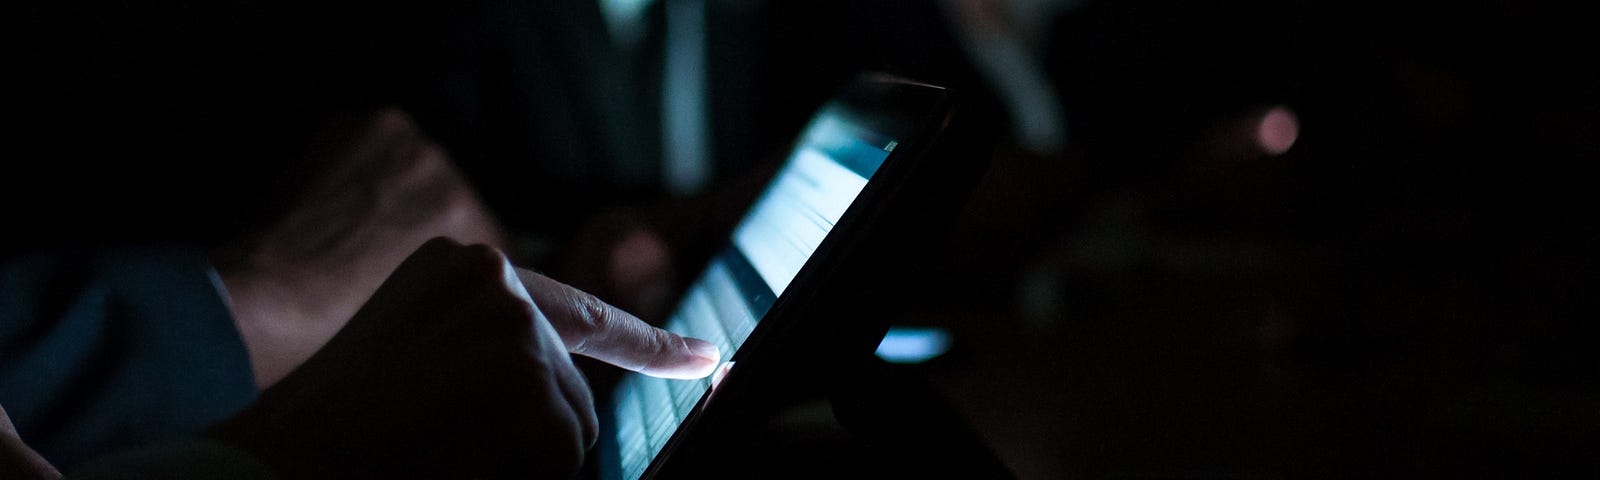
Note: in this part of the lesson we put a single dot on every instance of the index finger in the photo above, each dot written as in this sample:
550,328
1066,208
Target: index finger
596,329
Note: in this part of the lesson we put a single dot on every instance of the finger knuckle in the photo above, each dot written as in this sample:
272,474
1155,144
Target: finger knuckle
484,256
480,265
596,315
591,430
516,315
438,244
659,348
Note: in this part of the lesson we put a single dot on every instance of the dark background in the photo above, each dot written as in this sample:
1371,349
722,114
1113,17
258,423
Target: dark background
1405,292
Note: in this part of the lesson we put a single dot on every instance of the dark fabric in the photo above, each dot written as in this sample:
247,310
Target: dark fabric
188,460
113,349
122,105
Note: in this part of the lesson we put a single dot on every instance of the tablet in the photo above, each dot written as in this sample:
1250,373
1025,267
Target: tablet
803,247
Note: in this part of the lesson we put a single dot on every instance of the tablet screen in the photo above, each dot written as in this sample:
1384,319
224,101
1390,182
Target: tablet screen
826,171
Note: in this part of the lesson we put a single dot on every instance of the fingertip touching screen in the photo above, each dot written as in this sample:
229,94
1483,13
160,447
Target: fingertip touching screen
826,171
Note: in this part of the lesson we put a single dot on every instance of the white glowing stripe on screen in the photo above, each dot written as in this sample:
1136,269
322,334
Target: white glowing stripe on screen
630,432
714,310
913,344
697,318
733,320
786,226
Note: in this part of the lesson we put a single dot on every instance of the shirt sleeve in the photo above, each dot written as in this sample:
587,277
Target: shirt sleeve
188,460
110,350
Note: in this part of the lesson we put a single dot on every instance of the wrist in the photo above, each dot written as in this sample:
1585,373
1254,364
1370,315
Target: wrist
281,315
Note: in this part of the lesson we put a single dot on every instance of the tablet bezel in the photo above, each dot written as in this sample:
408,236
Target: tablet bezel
813,314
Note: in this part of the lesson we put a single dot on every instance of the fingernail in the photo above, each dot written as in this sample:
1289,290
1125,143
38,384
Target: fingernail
703,349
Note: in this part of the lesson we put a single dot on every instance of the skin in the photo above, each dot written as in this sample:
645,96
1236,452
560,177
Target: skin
376,192
16,459
457,351
459,366
384,353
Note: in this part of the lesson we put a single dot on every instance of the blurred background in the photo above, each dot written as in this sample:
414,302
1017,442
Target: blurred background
1239,239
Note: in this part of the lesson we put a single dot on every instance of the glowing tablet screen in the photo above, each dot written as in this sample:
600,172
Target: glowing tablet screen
826,171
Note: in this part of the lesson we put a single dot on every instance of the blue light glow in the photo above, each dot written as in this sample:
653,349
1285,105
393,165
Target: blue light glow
913,344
